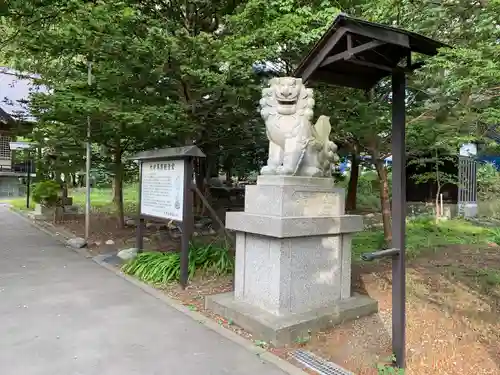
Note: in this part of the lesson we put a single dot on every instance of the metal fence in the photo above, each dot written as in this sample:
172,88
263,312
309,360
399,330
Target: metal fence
467,186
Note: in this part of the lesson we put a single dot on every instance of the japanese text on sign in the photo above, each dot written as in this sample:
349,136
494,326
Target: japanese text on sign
162,189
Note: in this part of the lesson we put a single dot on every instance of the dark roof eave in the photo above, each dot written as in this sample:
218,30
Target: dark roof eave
401,38
169,153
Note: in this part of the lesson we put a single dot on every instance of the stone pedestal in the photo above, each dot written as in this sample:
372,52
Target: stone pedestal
42,212
293,260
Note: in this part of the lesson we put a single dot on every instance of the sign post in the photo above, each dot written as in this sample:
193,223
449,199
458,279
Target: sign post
166,193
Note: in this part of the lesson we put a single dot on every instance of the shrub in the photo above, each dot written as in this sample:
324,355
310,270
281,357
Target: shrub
368,193
488,182
495,235
46,193
163,268
423,233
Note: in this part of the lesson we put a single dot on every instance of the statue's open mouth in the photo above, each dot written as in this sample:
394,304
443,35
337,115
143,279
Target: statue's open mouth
286,101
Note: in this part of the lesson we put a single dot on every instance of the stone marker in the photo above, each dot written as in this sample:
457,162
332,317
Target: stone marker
130,222
293,242
76,242
127,254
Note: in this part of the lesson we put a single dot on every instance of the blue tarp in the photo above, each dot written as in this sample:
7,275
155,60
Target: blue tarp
495,160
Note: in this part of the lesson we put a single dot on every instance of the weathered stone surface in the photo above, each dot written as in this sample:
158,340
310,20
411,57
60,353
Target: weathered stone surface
292,275
295,146
293,258
67,201
289,227
130,222
71,209
287,328
76,242
127,254
293,240
43,210
294,196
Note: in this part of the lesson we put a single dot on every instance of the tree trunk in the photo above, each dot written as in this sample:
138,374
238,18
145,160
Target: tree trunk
438,186
118,187
212,165
199,168
228,167
352,189
385,203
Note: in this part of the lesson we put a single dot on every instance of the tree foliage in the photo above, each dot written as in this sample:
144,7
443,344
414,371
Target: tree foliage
167,73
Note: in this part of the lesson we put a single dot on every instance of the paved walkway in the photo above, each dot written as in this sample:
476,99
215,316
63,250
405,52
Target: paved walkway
62,314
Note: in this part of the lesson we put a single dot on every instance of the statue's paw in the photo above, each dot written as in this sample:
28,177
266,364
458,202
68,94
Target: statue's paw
311,172
332,146
284,170
267,170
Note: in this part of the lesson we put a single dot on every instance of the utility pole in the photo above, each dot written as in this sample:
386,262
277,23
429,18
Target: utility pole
28,179
88,161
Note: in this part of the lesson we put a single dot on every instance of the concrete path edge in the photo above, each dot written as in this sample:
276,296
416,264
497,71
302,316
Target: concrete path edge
263,354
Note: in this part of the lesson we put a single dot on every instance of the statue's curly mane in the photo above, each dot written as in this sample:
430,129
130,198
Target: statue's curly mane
304,102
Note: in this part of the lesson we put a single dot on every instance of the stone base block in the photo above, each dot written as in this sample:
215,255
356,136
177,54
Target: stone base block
71,209
42,217
285,227
67,201
292,196
286,329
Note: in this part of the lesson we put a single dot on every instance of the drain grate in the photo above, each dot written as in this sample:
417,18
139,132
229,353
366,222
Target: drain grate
318,364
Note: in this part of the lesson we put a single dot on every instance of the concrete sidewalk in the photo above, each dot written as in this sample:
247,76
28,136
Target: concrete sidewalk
62,314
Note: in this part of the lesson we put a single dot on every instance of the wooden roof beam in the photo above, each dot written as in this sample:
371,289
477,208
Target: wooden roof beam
323,53
350,52
387,36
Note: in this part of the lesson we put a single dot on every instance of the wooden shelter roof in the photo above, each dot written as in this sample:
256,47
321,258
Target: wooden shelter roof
357,53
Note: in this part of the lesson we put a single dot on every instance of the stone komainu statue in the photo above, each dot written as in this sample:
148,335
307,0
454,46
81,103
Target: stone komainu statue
296,147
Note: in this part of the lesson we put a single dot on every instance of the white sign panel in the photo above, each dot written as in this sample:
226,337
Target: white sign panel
468,149
162,189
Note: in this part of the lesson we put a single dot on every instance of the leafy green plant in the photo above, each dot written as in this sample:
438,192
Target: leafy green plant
303,340
46,193
423,233
383,369
261,344
488,277
389,369
495,235
163,268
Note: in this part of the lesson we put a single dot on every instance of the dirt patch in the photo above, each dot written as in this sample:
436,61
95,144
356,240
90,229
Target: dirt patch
104,227
452,317
158,236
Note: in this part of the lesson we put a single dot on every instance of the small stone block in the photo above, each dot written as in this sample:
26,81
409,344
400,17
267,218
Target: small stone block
76,243
286,329
303,181
287,196
285,227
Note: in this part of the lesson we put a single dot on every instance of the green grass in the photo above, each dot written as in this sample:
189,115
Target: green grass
164,268
424,234
488,277
101,199
20,203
